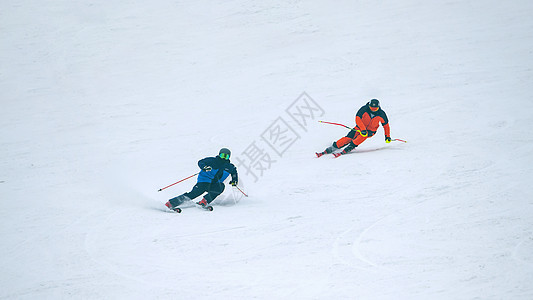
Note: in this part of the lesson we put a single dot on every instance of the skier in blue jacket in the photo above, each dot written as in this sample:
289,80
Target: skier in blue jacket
211,180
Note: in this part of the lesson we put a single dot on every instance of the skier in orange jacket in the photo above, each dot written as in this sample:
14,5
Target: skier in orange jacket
367,119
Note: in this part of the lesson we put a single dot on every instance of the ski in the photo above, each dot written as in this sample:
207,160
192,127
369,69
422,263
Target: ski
337,154
179,209
320,154
208,207
174,209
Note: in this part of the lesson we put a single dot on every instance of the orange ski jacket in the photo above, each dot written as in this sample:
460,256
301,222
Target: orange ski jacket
369,120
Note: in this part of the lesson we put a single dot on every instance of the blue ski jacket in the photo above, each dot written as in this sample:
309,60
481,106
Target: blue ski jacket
221,169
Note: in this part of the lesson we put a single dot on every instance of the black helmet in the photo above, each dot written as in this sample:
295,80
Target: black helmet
224,153
373,103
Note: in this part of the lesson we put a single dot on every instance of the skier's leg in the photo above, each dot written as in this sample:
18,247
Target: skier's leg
349,148
342,142
197,190
353,133
347,139
358,140
354,143
329,149
177,201
214,190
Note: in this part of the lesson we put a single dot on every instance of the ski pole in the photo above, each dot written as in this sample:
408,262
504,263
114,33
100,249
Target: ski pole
394,140
234,196
398,140
177,182
241,191
340,125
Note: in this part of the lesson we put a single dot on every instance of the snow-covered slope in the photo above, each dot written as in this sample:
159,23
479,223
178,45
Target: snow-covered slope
104,102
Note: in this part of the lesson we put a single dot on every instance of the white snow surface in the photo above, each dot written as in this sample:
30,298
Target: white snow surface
105,102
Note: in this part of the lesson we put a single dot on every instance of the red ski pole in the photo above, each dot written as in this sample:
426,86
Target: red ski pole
338,125
394,140
177,182
398,140
241,191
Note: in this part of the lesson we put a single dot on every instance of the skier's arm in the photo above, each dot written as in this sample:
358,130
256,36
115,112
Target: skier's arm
204,163
234,175
359,120
385,125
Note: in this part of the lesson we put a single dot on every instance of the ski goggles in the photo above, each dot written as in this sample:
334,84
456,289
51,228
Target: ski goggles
224,155
374,108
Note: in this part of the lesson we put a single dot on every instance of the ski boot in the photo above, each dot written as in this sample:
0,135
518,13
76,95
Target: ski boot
203,204
328,150
169,205
348,149
173,203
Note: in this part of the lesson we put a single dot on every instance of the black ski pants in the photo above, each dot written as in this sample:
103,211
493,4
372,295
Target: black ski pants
212,189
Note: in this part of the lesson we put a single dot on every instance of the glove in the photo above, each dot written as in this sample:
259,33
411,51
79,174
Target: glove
364,133
233,182
207,168
387,139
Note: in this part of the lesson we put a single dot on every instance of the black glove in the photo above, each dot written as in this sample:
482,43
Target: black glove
387,139
233,182
207,168
364,133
